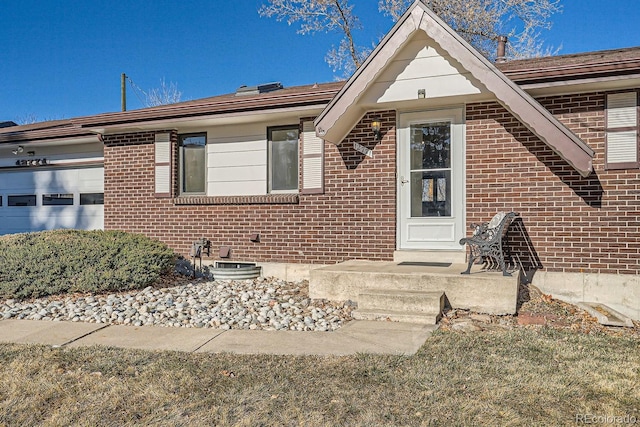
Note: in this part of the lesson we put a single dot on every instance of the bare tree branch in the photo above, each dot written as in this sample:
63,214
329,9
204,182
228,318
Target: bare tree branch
480,22
164,95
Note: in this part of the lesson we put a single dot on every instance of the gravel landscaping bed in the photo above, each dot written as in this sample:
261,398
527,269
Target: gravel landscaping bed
268,304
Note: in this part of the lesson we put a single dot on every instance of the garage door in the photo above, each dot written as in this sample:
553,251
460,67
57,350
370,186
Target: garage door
47,199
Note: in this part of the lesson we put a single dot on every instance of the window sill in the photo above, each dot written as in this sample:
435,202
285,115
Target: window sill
267,199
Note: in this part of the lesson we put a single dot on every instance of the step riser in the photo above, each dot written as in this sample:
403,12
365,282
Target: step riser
418,304
421,319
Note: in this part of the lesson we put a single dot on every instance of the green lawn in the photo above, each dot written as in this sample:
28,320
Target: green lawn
513,377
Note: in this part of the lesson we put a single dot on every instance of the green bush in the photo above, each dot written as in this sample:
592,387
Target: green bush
62,261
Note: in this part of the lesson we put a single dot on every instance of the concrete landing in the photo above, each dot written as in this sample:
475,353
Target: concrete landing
480,291
353,338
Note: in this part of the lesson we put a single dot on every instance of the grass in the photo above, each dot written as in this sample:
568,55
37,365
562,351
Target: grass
513,377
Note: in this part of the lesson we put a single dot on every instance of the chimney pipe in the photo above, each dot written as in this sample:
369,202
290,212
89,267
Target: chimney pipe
502,47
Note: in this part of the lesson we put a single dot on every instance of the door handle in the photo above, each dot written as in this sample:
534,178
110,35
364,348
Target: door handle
403,181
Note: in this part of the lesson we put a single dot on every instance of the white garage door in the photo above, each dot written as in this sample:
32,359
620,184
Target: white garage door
47,199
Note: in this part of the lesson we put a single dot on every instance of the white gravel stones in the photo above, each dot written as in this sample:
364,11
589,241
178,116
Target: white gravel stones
268,304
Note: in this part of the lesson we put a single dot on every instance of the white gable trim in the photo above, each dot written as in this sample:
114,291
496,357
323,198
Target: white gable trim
344,111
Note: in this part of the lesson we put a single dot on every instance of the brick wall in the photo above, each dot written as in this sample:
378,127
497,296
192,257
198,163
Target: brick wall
570,223
354,218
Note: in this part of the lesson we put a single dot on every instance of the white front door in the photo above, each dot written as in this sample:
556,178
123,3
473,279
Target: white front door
431,180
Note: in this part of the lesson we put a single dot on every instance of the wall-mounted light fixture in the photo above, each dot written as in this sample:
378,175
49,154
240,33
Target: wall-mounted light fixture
19,149
376,125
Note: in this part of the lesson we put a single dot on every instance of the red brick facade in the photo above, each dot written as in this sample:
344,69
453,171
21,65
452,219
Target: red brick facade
573,224
354,218
568,223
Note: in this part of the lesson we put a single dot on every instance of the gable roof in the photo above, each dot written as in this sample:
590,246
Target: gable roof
344,111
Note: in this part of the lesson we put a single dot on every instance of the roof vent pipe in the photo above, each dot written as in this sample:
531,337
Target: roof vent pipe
502,48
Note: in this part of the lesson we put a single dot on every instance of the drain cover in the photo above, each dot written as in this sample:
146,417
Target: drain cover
426,264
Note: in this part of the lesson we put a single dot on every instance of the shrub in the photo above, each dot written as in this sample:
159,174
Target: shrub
61,261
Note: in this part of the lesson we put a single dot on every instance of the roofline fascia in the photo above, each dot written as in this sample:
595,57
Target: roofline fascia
621,68
186,111
167,123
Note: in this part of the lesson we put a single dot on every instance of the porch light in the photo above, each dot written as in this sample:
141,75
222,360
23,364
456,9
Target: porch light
375,127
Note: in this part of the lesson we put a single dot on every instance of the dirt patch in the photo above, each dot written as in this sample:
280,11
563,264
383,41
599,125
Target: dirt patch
536,310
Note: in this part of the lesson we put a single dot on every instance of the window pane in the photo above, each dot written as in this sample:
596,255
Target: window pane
284,159
193,169
431,193
22,200
194,140
193,163
431,146
92,199
57,199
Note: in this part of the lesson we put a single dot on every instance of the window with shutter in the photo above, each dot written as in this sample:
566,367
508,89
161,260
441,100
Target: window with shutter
622,131
163,165
312,160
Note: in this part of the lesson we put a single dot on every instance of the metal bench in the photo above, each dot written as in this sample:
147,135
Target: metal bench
486,240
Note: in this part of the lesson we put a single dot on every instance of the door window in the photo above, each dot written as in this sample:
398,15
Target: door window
430,164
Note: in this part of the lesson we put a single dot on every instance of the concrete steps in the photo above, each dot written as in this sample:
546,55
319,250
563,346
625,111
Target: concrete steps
481,291
400,306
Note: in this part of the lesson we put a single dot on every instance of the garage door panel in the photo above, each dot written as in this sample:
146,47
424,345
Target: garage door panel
75,181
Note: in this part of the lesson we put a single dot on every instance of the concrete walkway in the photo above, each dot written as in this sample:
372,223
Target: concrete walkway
354,337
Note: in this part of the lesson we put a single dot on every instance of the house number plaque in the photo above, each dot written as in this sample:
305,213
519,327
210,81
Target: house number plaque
362,149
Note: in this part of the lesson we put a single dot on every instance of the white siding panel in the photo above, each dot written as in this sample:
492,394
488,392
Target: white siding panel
237,158
421,65
417,68
622,147
240,188
622,110
435,87
418,47
250,143
238,163
237,173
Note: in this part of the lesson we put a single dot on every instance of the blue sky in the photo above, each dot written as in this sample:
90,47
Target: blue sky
64,58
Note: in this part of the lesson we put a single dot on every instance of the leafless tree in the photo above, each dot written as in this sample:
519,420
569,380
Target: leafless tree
164,95
480,22
31,118
323,15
